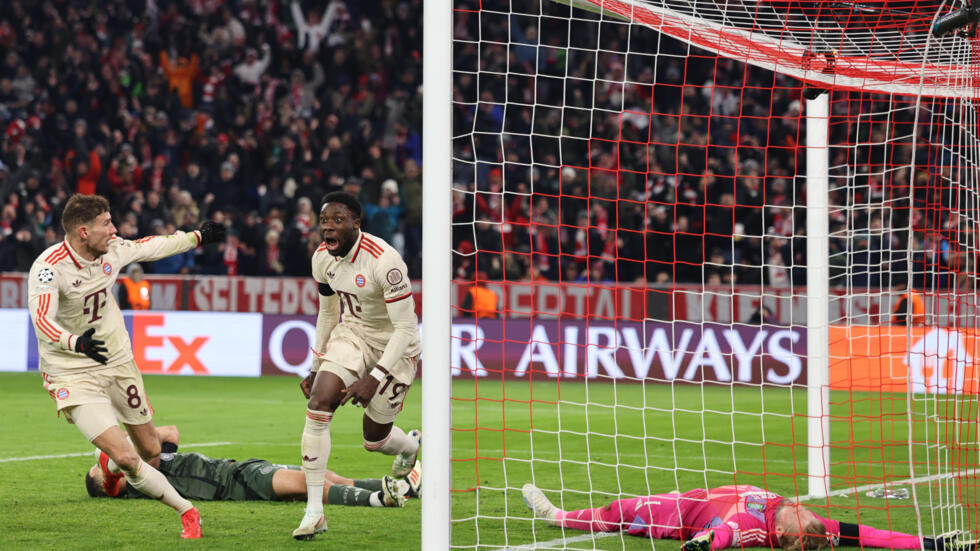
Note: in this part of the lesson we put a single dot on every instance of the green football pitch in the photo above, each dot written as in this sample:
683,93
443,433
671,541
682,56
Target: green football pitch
658,438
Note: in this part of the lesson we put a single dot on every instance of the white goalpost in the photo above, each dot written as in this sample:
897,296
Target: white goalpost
436,243
657,259
817,295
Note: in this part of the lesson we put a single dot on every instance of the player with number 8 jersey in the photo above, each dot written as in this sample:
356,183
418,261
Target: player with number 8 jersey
86,357
365,350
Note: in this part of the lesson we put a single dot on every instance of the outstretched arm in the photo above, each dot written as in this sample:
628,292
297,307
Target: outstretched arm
301,27
860,535
157,246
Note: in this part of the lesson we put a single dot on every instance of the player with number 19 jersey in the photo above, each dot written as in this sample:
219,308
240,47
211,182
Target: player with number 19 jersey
376,301
68,295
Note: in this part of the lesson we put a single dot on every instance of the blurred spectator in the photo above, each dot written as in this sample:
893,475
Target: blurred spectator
251,70
910,309
272,264
312,29
480,301
135,291
186,212
181,74
763,315
381,219
152,214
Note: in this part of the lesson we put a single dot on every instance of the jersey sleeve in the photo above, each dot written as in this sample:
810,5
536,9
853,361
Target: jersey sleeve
43,292
156,247
739,530
397,290
392,275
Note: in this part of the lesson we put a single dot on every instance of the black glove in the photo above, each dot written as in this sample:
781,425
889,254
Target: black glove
93,348
212,232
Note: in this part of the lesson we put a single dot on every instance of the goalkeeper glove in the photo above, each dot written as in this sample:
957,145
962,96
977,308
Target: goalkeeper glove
212,232
93,348
950,541
699,543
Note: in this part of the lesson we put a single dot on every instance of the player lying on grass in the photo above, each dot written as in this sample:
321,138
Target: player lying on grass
728,516
197,476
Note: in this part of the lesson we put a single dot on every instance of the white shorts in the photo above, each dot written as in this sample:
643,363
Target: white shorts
120,387
350,358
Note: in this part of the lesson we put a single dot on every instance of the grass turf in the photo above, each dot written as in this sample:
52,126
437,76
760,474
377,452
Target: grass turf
656,439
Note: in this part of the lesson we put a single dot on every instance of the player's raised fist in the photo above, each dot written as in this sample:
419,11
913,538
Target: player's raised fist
93,348
212,232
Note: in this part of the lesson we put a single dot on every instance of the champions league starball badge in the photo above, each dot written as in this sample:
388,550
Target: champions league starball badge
45,275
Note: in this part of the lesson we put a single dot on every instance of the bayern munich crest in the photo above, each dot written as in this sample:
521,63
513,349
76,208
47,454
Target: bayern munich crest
62,393
107,268
359,280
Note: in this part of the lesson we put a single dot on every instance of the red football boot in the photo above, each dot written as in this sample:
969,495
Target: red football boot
191,520
110,481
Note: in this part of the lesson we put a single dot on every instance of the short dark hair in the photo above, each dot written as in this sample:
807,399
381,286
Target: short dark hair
82,209
93,487
345,198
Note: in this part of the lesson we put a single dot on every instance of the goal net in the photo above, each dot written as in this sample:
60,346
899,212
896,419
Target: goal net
645,250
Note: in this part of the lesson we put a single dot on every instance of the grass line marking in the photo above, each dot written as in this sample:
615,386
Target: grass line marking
560,543
915,480
83,454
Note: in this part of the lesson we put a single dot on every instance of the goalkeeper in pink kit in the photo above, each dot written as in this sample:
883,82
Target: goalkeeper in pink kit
729,516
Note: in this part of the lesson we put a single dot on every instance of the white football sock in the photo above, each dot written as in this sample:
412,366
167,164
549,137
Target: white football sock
397,442
316,450
151,483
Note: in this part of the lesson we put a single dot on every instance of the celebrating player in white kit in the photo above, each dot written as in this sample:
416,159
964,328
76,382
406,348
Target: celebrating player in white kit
366,348
86,357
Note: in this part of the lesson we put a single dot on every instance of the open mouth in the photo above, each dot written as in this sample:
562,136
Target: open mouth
331,243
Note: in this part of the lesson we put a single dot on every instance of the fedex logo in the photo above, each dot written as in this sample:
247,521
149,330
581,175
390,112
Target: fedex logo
196,343
144,341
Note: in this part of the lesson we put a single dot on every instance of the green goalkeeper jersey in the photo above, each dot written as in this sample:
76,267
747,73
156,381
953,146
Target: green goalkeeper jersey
199,477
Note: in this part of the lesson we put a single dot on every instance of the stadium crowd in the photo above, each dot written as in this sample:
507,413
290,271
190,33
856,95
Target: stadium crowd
699,178
240,111
247,112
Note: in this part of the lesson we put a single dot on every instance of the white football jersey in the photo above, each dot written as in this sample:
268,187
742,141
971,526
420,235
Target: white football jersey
68,294
375,295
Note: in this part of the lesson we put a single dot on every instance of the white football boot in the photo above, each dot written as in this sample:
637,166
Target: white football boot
393,491
313,523
536,501
403,463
